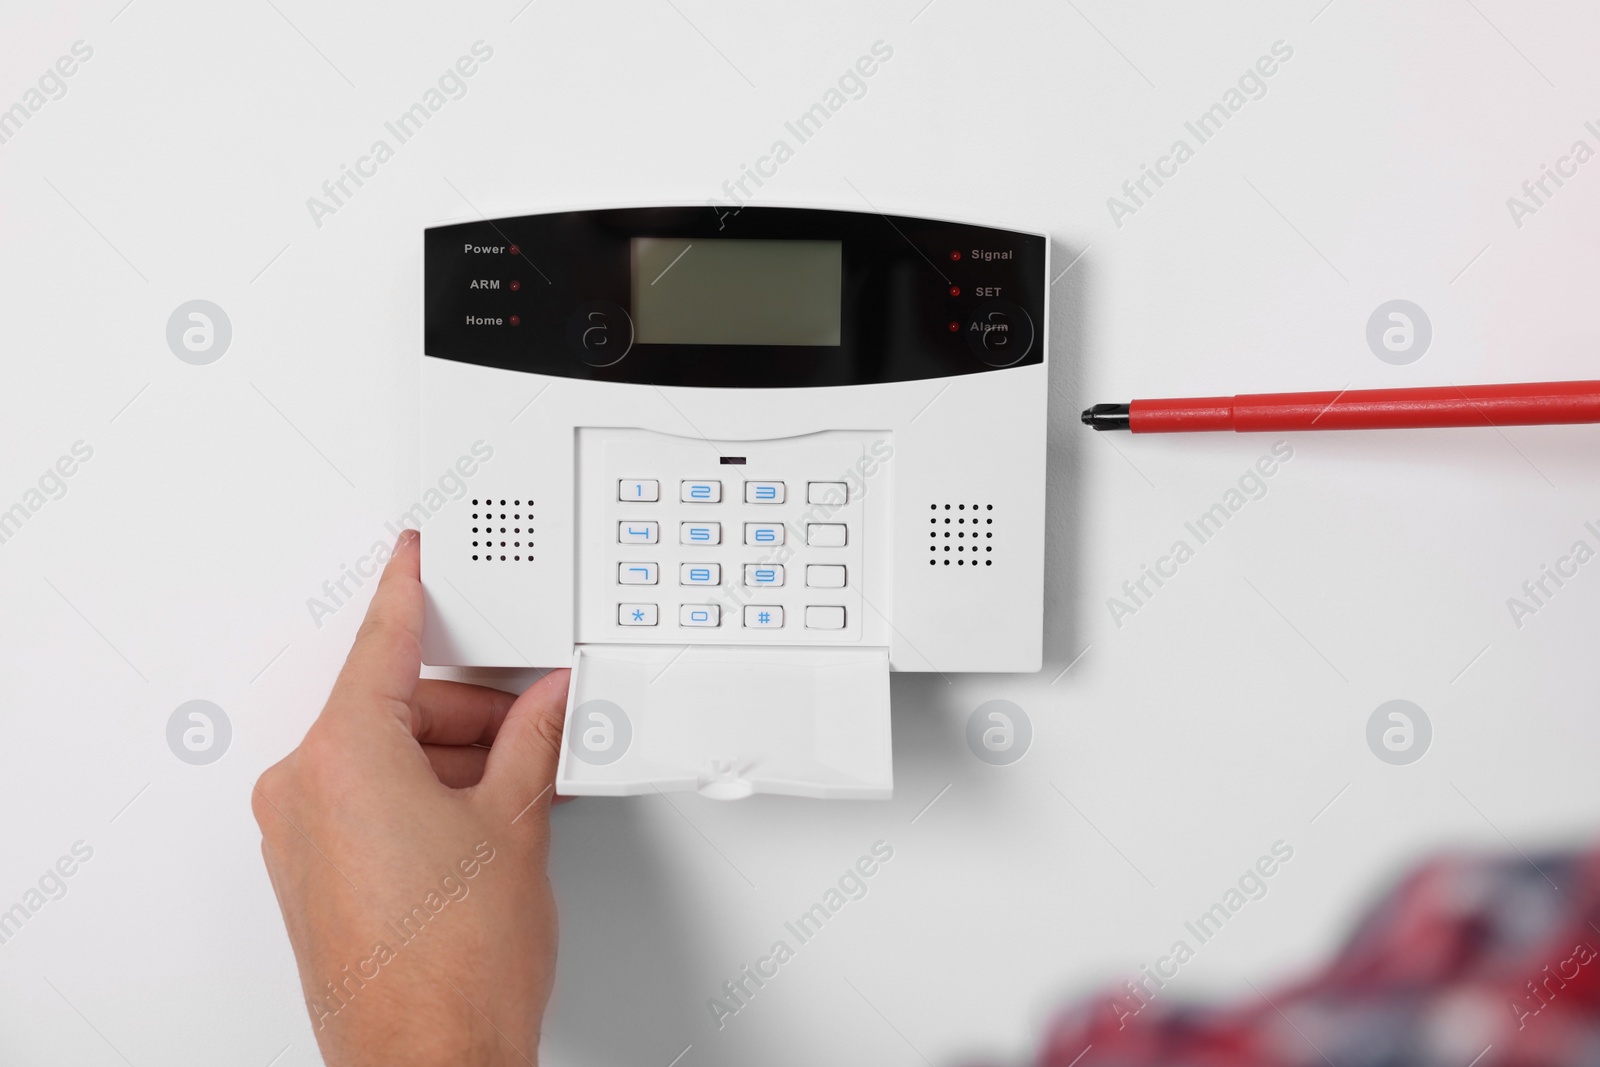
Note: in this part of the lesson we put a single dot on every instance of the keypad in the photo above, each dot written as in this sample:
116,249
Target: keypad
757,540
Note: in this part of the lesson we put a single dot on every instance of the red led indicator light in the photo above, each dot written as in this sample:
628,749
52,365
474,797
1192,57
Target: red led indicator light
515,320
954,326
515,285
955,290
955,257
514,250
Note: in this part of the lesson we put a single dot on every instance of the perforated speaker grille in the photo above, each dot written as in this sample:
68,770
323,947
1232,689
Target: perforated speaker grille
502,530
961,535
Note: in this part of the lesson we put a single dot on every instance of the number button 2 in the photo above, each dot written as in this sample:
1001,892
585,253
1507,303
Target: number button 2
700,492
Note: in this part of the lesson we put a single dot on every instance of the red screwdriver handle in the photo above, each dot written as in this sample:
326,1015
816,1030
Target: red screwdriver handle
1512,404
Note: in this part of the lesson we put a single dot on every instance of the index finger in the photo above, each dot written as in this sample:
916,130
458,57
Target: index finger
386,659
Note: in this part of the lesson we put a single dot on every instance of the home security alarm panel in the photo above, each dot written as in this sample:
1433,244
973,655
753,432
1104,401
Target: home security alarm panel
734,467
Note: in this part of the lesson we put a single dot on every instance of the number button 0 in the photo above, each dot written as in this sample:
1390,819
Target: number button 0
699,615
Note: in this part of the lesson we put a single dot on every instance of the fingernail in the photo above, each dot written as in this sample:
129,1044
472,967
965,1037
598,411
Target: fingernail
406,537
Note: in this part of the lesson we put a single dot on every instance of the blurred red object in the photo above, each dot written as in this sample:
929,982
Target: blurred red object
1470,962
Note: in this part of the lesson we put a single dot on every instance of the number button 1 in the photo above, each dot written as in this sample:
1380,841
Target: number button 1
645,490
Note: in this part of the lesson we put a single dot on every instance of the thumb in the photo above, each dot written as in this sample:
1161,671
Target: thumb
519,777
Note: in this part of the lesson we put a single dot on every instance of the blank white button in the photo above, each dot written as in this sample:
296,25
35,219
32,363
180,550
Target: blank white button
700,533
835,493
636,614
825,575
638,533
763,616
763,533
699,615
646,489
824,617
699,574
825,534
700,492
638,573
763,492
756,574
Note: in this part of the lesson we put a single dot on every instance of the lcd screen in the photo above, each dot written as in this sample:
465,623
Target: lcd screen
716,291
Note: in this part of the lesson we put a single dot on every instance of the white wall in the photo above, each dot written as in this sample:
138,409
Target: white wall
1224,715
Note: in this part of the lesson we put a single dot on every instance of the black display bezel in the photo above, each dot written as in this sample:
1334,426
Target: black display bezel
897,307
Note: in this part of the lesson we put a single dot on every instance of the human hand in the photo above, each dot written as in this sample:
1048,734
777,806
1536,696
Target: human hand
409,860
